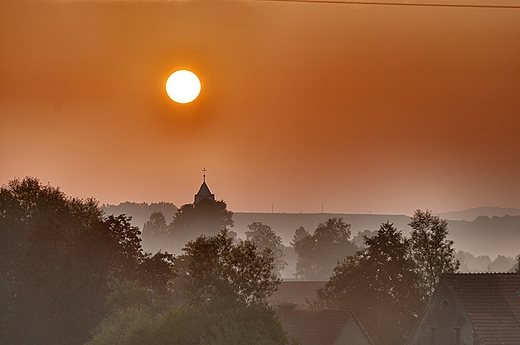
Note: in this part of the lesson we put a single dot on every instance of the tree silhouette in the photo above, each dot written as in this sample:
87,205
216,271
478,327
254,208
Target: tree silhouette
265,238
320,253
432,252
380,284
57,255
206,217
220,273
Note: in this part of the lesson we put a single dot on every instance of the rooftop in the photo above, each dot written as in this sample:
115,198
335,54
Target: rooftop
297,292
491,301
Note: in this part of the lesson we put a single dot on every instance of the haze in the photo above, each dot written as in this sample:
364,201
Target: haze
345,108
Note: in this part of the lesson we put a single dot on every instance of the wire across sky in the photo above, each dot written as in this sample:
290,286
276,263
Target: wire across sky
410,4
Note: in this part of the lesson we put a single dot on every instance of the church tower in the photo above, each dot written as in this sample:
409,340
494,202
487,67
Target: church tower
204,193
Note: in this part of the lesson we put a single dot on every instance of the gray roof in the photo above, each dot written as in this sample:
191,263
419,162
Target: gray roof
299,292
316,327
491,302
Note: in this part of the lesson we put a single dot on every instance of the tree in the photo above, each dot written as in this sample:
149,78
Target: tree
220,274
299,235
181,325
157,271
264,237
155,230
55,264
206,217
59,253
320,253
501,263
254,325
380,284
123,326
431,250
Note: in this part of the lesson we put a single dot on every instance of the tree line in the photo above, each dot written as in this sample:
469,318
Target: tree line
72,275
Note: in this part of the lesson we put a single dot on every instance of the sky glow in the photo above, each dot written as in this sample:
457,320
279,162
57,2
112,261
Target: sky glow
380,109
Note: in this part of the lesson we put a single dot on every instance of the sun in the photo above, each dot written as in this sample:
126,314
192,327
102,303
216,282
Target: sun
183,86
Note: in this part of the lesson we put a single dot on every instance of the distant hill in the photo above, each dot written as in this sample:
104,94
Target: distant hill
472,213
140,212
487,236
488,231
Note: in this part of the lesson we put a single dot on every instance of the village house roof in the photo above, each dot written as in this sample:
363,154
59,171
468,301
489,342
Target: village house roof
297,292
491,302
321,327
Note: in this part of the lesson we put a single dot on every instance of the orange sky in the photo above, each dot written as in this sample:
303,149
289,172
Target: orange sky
380,109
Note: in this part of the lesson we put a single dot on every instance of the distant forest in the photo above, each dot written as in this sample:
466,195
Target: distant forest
489,242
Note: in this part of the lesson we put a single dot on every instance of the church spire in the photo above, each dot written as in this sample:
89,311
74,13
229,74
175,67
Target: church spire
204,192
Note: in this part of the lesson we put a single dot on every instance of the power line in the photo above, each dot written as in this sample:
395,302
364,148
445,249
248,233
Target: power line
410,4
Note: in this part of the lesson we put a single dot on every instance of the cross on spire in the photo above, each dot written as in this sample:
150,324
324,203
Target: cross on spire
204,174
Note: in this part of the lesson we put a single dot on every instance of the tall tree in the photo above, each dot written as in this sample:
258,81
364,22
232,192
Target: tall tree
299,235
320,253
220,273
265,238
380,284
224,284
156,226
432,252
57,254
206,217
155,232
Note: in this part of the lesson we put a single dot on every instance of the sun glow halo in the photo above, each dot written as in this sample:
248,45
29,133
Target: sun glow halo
183,86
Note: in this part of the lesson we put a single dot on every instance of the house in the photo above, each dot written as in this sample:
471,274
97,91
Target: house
298,292
322,327
472,309
315,327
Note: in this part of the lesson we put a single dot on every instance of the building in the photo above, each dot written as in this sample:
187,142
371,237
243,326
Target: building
315,327
322,327
472,309
298,292
204,192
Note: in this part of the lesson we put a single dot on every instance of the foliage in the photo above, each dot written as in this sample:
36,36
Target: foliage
57,254
299,235
54,260
319,253
155,230
431,250
254,325
157,271
471,263
206,217
501,263
380,284
123,326
130,293
262,236
141,212
220,273
182,325
224,284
